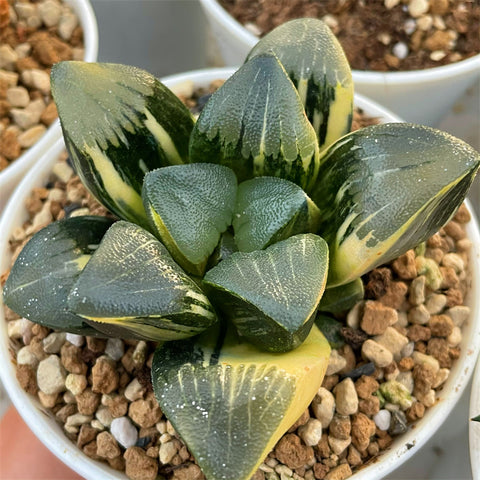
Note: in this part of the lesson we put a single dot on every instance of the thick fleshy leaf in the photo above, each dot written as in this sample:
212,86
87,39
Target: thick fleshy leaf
119,122
188,207
270,209
238,398
47,268
384,189
341,298
316,63
272,295
332,329
132,288
256,125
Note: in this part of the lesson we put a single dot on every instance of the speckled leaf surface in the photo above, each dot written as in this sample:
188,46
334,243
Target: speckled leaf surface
384,189
230,402
270,209
188,207
255,124
119,122
272,295
132,288
318,67
47,268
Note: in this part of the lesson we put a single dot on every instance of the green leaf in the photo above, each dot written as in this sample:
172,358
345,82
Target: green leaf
188,207
341,298
132,288
230,402
119,122
255,124
272,295
225,247
476,419
316,63
270,209
47,268
384,189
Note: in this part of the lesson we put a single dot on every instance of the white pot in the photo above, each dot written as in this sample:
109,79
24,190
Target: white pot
51,434
418,96
10,176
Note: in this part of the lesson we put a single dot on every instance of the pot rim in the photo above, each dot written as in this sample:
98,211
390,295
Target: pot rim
364,76
88,21
53,437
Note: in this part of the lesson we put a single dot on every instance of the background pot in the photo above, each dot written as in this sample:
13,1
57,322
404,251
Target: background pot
10,176
474,427
419,96
51,434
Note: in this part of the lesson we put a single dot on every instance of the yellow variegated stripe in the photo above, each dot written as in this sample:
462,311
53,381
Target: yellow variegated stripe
169,242
80,261
125,197
352,257
163,138
339,116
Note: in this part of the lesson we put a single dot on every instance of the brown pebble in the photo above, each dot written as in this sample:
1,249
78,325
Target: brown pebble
340,427
384,442
416,411
365,386
302,420
96,345
107,446
90,449
340,472
454,297
117,405
188,471
362,429
49,115
48,49
369,406
320,470
323,447
66,411
353,457
417,333
292,452
27,378
88,402
9,145
378,281
104,375
406,364
439,348
424,376
377,318
138,465
440,325
145,413
395,296
462,215
117,463
71,357
86,435
404,266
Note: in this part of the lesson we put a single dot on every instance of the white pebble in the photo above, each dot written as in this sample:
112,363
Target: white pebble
97,425
253,28
104,416
400,50
69,397
346,398
18,97
53,342
311,432
62,171
166,452
25,356
353,316
16,328
393,340
417,290
73,338
76,383
417,8
455,337
23,50
335,363
422,359
51,375
406,379
67,24
435,303
408,349
382,419
389,4
338,445
323,406
458,314
428,399
77,419
453,260
9,78
25,9
377,353
115,348
50,11
441,377
40,80
410,26
124,432
134,390
31,136
425,23
438,55
419,315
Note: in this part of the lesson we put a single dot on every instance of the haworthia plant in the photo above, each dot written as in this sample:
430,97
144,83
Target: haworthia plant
189,207
132,124
318,67
386,188
342,298
47,268
270,209
132,288
256,125
272,295
230,402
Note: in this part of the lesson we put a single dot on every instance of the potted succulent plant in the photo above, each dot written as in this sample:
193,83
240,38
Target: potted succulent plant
233,231
13,173
420,95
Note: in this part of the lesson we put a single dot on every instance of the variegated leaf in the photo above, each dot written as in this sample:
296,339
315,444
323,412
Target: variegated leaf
132,288
384,189
230,402
256,125
319,69
47,268
272,295
119,122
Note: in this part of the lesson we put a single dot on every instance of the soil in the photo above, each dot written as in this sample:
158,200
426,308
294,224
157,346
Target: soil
380,35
